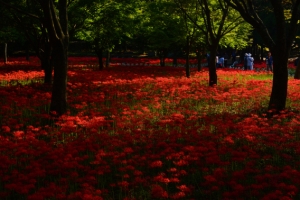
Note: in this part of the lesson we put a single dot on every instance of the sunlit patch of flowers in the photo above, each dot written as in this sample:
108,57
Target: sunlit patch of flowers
148,132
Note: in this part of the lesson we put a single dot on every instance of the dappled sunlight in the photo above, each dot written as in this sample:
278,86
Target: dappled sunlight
146,132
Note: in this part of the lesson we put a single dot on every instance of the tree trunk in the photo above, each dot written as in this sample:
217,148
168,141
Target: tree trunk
59,88
47,67
57,28
44,54
187,58
99,53
107,62
280,80
5,53
162,58
175,59
213,78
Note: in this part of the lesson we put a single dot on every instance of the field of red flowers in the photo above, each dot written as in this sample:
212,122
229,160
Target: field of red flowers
141,131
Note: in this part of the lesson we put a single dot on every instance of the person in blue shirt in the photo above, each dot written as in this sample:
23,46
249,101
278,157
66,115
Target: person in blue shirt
269,62
221,61
250,62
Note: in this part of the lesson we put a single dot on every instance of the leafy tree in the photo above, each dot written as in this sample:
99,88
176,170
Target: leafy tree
29,19
8,30
217,22
165,29
279,43
106,23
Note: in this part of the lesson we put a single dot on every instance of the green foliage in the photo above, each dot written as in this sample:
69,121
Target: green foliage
105,23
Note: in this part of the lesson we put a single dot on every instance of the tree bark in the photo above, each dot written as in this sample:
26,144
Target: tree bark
5,53
107,62
175,58
99,53
59,88
47,67
213,78
280,80
162,58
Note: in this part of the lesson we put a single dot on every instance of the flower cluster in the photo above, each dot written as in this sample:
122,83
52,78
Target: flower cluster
148,132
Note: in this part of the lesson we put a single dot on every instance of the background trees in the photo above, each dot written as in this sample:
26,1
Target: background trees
166,27
219,24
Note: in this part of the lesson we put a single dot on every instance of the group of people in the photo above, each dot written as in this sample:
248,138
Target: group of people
248,61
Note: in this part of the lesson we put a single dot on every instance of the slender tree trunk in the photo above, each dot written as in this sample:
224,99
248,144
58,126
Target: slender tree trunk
5,53
187,58
175,58
107,62
100,58
99,53
280,80
162,58
213,78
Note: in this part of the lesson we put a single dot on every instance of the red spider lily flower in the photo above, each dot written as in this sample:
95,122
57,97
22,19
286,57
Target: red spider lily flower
5,129
178,195
18,134
158,192
157,163
123,184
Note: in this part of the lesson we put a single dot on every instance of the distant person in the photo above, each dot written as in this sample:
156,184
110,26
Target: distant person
245,61
250,62
269,62
221,62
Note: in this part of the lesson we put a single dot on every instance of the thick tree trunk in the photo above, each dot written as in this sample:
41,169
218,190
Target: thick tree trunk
59,88
44,54
187,58
5,53
280,81
47,67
